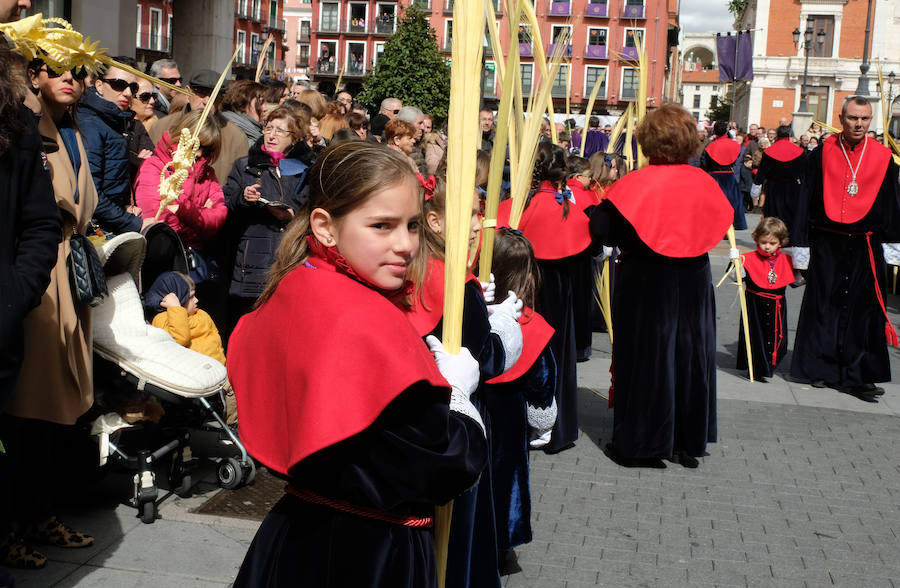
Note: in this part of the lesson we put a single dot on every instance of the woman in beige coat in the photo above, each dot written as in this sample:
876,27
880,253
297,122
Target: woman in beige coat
55,386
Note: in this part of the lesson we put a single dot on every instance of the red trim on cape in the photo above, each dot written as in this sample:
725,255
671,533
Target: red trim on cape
757,267
302,364
552,236
724,150
784,150
504,210
536,335
677,210
840,207
423,319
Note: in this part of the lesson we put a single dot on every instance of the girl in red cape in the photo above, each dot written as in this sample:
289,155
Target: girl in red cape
494,337
338,394
768,272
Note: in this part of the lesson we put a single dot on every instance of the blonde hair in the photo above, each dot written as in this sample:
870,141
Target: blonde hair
342,179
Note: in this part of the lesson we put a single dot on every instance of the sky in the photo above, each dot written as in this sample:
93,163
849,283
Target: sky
701,16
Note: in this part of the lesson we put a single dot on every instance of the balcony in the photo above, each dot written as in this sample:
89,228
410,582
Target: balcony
275,26
158,43
385,26
302,61
422,5
552,49
560,8
633,11
597,10
328,28
558,91
326,66
629,53
596,51
628,93
356,27
448,9
242,14
355,70
525,49
303,37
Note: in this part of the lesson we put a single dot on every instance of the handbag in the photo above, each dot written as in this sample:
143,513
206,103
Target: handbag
202,267
86,278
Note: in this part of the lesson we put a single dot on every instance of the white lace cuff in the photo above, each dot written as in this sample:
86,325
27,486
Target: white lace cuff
460,403
507,328
541,419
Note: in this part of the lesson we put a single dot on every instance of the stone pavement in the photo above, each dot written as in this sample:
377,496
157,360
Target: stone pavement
802,489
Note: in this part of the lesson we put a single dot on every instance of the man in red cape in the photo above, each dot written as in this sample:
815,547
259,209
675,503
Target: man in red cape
853,207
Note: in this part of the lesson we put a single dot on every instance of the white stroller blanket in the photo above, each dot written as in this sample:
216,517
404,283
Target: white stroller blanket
122,336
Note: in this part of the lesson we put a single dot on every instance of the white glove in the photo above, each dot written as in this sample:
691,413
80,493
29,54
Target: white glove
607,252
734,254
488,288
504,324
462,373
513,305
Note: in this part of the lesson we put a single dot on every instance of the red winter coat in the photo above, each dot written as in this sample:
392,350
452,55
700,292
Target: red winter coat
194,221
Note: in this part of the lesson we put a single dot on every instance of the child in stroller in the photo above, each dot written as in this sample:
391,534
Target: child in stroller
173,394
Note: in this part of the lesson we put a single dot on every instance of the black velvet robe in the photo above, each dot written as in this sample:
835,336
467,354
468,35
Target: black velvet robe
724,176
762,316
555,302
664,351
417,454
783,183
841,329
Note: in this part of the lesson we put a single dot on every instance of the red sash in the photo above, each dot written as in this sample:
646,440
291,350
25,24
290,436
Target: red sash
840,207
724,150
677,210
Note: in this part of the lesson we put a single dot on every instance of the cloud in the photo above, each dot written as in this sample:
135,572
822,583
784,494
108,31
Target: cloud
701,16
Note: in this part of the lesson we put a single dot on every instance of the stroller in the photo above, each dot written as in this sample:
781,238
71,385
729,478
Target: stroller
171,397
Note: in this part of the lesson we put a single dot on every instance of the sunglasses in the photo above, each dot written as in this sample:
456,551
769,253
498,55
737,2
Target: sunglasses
172,81
396,111
146,97
119,85
78,74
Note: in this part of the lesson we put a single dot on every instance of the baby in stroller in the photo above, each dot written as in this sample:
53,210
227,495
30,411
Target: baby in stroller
153,396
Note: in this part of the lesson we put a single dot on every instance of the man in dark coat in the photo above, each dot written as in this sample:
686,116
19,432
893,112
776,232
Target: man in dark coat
853,207
718,160
781,173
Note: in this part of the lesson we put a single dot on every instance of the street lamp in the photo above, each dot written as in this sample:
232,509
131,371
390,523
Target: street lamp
807,45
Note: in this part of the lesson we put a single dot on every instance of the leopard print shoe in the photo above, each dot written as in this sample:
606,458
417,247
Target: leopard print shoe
15,553
52,531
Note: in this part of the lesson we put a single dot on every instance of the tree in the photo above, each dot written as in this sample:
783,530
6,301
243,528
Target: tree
721,110
411,69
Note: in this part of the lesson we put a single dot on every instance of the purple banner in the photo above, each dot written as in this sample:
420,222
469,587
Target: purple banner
744,68
735,56
725,47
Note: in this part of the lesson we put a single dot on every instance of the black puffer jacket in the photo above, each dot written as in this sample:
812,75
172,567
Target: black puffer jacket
257,229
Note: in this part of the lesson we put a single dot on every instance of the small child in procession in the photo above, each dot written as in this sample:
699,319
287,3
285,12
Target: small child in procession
768,271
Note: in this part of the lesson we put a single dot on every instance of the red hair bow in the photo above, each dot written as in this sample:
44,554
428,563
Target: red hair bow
428,184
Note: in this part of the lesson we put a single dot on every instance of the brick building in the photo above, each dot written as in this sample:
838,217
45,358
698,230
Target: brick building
254,21
153,39
298,15
778,61
351,34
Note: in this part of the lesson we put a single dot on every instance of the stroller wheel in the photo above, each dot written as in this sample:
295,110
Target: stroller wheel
148,512
229,473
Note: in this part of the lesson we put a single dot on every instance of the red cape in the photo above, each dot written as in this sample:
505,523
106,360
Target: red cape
784,150
676,209
757,267
536,334
318,363
836,176
724,150
504,209
552,236
428,307
583,197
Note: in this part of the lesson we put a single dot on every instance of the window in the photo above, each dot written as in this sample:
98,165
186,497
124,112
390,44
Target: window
696,115
631,36
596,43
327,61
273,13
155,40
526,70
304,30
591,74
448,34
304,56
356,58
561,81
715,88
629,83
328,18
525,34
713,100
357,18
634,9
422,5
242,43
168,48
597,8
242,8
696,88
254,10
490,79
254,50
559,7
379,49
822,23
387,18
138,42
559,35
696,100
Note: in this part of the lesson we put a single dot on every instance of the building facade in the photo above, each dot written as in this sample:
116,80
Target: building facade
835,54
701,88
298,14
254,22
349,35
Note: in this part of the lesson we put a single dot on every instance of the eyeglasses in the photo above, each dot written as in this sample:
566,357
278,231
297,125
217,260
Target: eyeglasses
146,97
278,132
78,74
172,81
119,85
